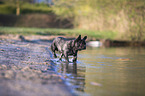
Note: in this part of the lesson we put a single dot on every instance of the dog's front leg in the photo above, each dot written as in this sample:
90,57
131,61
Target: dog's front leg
66,56
75,58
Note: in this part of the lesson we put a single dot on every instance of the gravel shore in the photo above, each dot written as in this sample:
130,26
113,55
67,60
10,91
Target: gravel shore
26,69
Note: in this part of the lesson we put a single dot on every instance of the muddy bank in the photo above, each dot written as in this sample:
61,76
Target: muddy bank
114,43
117,43
26,69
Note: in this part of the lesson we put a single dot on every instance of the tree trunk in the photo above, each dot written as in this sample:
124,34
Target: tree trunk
18,8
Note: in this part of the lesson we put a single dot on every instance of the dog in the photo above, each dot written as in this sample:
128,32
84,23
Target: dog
68,47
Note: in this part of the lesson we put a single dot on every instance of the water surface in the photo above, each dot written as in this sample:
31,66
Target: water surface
107,72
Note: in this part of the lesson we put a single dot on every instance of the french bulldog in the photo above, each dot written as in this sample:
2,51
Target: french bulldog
68,47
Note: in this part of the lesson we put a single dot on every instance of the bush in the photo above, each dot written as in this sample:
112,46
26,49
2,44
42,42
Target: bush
10,8
125,17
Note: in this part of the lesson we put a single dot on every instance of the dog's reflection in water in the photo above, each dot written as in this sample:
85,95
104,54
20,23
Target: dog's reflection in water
67,68
73,75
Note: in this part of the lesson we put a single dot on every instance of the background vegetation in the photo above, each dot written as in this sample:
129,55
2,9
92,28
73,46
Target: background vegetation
121,19
125,17
26,6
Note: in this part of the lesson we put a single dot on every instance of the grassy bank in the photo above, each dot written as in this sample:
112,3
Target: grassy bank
55,31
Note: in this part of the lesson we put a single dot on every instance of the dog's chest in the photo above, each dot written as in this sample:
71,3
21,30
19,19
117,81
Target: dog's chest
71,52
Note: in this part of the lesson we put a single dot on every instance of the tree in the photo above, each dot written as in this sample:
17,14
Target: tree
17,8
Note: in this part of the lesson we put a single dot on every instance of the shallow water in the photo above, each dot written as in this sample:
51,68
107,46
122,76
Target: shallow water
107,72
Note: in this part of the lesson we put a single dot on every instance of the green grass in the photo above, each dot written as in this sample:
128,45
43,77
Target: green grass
53,31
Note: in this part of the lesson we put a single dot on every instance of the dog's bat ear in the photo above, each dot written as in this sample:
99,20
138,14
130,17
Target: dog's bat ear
76,40
85,38
79,38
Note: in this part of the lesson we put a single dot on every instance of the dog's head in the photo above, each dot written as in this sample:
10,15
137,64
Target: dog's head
80,44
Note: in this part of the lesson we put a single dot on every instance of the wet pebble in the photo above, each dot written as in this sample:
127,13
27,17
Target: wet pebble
25,68
8,74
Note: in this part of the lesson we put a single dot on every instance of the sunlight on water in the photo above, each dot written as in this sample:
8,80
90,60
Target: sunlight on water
107,72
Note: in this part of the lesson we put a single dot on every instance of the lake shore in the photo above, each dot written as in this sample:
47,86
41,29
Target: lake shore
26,68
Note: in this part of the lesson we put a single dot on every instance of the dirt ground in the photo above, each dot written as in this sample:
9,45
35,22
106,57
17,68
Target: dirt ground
26,68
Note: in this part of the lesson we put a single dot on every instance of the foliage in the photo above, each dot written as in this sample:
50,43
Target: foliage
25,7
125,17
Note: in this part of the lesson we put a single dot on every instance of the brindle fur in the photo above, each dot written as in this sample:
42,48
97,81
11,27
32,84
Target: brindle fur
68,47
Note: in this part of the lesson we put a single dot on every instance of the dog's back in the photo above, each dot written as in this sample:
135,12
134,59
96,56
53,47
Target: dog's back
59,43
60,40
